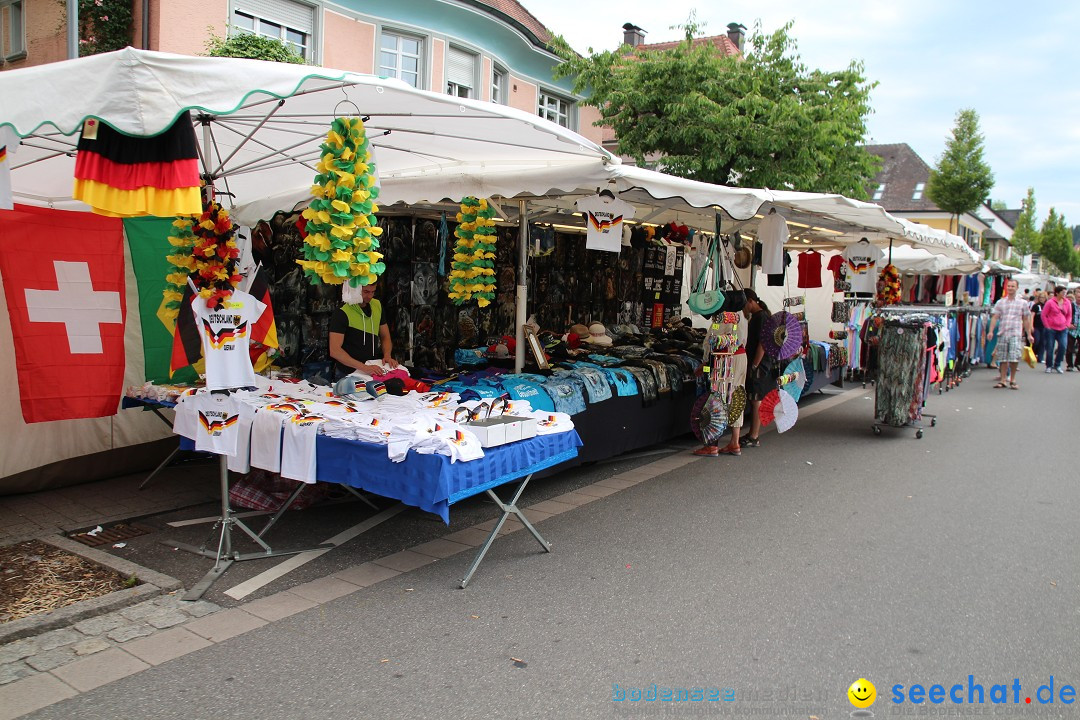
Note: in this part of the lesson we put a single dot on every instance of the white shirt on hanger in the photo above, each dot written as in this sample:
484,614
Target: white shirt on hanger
772,234
604,221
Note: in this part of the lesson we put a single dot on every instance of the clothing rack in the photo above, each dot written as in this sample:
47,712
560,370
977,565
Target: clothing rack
907,365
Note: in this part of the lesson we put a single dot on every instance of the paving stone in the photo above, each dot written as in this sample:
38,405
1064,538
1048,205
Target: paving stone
473,537
58,638
91,646
441,548
173,601
366,574
225,624
617,483
573,498
18,650
596,491
97,670
101,624
168,645
130,632
167,619
404,561
32,693
277,606
199,608
550,506
10,672
324,589
49,659
141,611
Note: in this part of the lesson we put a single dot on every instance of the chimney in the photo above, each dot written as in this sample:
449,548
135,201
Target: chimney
633,35
736,33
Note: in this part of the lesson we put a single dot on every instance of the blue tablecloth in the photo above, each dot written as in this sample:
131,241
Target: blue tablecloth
432,482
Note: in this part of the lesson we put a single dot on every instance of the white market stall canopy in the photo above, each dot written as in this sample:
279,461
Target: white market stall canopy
918,261
826,221
263,121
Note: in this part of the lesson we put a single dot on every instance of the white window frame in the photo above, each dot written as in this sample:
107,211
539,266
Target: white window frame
13,34
544,99
396,71
305,50
879,192
500,85
918,194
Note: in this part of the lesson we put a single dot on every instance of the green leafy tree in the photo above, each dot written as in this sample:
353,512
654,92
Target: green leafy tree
104,25
760,120
1057,243
962,180
1025,238
256,47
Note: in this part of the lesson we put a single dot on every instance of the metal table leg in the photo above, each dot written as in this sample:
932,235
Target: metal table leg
225,556
508,509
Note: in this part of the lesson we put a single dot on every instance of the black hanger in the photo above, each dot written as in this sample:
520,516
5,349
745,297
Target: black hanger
606,193
772,211
864,240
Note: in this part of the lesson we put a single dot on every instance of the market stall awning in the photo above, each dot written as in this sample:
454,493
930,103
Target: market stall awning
919,261
263,121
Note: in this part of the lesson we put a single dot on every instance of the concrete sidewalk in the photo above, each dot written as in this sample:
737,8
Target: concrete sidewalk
77,507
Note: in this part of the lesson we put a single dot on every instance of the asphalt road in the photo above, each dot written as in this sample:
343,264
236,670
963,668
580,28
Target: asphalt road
778,578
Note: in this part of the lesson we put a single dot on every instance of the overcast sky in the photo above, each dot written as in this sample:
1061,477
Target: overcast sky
1016,64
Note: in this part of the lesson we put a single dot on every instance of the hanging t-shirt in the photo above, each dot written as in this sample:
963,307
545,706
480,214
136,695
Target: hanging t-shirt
810,269
860,261
773,233
218,423
604,221
836,264
226,335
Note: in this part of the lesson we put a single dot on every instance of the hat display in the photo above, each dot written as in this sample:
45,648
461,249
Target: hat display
742,258
598,334
580,330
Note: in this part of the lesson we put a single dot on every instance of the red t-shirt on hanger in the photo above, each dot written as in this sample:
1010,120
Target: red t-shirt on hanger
835,264
810,269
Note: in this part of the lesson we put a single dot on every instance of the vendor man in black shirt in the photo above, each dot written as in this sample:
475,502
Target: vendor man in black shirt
359,334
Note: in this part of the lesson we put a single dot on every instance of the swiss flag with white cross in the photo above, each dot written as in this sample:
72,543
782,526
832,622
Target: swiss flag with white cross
63,278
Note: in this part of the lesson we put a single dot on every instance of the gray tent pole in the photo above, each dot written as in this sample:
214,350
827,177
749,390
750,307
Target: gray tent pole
521,304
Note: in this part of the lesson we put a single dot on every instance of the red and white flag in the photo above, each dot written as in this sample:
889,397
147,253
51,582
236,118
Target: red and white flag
63,278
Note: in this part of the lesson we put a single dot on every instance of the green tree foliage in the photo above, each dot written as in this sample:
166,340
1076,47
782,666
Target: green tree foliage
962,180
1057,243
762,120
256,47
104,26
1025,238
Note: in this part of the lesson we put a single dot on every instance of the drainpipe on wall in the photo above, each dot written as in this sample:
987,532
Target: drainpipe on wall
73,29
145,24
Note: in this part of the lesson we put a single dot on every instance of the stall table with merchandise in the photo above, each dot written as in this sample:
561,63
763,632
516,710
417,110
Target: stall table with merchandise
430,482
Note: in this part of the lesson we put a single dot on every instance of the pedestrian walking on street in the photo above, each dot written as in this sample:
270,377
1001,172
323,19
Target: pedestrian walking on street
1072,352
1056,317
758,373
1037,302
1011,319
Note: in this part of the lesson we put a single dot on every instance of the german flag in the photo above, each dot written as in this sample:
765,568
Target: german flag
124,176
187,345
264,332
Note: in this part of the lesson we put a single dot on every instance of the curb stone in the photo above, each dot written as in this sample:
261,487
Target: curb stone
153,583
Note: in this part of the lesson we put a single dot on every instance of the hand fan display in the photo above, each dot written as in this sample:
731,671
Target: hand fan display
796,376
708,419
781,335
778,407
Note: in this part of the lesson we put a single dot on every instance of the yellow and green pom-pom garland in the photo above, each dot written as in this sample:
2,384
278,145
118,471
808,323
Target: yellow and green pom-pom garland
472,276
342,232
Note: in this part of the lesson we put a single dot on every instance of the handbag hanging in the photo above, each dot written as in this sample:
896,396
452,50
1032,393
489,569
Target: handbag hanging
734,297
703,300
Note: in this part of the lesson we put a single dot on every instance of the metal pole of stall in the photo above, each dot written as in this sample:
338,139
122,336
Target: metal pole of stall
521,301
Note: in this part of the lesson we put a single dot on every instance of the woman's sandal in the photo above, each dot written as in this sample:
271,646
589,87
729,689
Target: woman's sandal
1000,385
749,442
1013,386
729,451
706,451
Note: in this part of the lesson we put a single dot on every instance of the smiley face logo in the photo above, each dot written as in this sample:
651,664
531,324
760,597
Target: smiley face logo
862,693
